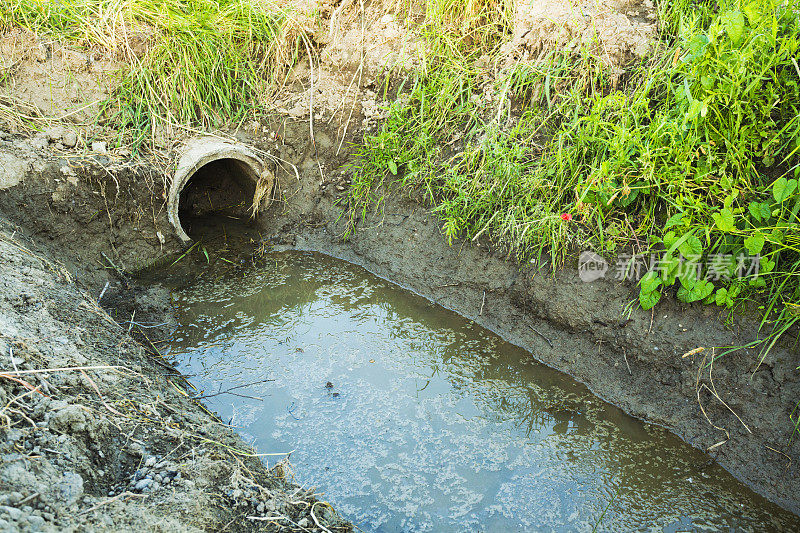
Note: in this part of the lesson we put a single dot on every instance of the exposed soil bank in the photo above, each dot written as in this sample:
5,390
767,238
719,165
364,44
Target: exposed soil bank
576,327
96,432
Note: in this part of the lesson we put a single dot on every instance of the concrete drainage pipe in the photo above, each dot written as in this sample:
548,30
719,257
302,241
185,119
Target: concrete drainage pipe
216,176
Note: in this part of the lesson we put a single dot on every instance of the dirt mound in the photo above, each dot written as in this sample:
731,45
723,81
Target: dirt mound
45,78
614,30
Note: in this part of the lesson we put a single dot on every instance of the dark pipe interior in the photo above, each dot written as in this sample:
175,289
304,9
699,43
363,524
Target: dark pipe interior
220,189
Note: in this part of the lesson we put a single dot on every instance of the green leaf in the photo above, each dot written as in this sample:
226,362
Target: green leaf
722,296
753,12
669,239
650,282
691,248
697,48
674,220
648,299
393,167
688,280
765,265
670,266
783,189
734,291
734,26
700,290
730,199
755,243
776,236
760,211
724,220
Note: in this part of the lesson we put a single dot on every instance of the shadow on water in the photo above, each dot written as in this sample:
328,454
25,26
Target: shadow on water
431,423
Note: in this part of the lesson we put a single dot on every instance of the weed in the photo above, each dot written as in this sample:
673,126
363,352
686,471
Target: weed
691,154
186,62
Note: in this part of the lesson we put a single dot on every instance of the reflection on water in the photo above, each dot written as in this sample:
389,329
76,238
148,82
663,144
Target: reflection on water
430,422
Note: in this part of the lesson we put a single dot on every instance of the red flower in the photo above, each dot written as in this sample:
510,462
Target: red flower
566,217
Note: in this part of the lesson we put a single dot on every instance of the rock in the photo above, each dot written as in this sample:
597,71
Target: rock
13,512
70,419
69,139
143,484
100,147
39,142
69,489
36,522
12,170
304,522
150,462
54,134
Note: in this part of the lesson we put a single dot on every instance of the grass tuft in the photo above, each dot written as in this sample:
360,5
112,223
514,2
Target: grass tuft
692,154
198,63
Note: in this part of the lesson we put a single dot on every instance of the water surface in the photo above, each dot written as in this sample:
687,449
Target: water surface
409,417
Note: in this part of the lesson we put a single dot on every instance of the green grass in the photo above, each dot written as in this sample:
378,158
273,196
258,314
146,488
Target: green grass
201,63
692,154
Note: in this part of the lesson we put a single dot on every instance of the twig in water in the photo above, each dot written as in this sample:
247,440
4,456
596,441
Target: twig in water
118,270
540,334
228,391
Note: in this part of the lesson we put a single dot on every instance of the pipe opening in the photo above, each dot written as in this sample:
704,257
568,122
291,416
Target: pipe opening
223,188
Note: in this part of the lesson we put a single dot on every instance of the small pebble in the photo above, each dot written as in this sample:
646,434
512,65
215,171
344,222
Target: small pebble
69,139
143,484
36,522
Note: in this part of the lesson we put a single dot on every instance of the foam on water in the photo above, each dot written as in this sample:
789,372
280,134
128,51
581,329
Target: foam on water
434,423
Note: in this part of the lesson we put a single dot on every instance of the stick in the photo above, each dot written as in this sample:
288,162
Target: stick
483,301
540,334
228,391
118,496
117,269
317,521
625,355
103,291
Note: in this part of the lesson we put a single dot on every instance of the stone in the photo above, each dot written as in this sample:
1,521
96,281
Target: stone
69,139
143,484
100,147
36,522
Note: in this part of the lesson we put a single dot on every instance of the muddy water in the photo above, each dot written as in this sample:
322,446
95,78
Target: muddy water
409,417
